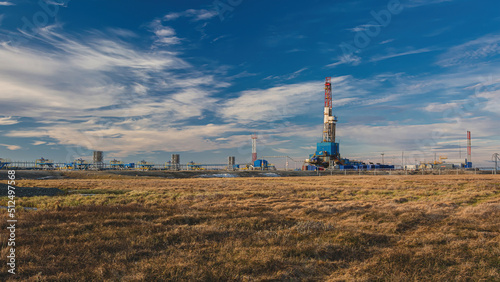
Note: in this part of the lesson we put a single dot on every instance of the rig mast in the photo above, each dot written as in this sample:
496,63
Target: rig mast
468,161
254,148
330,121
327,151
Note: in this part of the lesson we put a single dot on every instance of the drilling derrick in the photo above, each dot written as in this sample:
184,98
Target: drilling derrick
254,148
327,152
468,161
330,121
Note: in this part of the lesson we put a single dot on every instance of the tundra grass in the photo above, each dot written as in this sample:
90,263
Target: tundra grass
339,228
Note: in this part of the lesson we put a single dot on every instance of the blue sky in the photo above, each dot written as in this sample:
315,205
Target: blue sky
145,79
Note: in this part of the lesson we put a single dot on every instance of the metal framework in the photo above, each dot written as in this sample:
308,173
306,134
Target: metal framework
254,147
330,121
286,160
496,158
469,147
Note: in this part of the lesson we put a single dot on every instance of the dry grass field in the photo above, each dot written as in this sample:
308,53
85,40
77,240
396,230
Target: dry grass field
340,228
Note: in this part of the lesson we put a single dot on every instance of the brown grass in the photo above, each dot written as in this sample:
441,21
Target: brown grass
337,228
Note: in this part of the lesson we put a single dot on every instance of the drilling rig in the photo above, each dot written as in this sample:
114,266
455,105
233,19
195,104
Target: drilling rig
327,152
468,161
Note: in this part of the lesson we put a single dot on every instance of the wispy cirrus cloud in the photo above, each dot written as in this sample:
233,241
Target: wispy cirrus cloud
195,15
293,75
76,76
471,52
363,27
6,3
387,41
99,91
378,58
440,107
350,59
63,3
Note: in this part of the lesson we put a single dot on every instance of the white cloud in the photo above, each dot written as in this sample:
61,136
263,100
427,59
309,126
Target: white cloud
63,3
37,143
100,92
6,3
471,52
363,27
171,16
270,104
284,150
395,55
138,136
195,15
420,140
140,89
386,41
11,147
241,74
437,107
493,103
293,75
165,35
289,100
346,59
79,77
8,121
165,32
122,32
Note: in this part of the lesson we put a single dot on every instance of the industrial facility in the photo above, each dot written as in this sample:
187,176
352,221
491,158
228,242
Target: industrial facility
326,157
327,153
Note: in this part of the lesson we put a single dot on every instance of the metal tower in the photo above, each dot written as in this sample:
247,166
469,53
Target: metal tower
330,121
327,151
254,148
495,158
469,150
